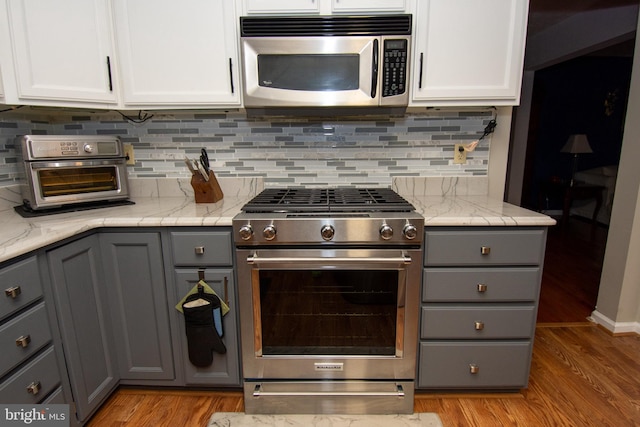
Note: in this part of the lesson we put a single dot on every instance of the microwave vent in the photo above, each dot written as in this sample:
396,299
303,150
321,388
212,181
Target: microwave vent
325,26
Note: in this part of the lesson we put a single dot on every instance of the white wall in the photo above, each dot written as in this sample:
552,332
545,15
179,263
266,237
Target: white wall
618,305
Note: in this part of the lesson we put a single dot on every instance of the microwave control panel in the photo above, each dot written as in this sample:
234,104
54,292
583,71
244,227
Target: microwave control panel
49,147
394,70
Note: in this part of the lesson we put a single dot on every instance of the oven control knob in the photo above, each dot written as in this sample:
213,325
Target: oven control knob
386,232
246,232
269,232
88,148
327,232
410,231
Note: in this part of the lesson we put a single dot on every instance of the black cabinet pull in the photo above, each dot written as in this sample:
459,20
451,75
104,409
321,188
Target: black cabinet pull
109,71
420,73
231,75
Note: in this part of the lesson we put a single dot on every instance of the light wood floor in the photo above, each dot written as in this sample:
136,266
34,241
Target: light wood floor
580,376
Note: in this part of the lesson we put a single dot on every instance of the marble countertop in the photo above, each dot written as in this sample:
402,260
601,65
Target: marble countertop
173,205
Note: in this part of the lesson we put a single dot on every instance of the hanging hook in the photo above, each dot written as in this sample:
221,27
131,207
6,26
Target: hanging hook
200,279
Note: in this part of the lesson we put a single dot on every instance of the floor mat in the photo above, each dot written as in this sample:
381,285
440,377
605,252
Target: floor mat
240,419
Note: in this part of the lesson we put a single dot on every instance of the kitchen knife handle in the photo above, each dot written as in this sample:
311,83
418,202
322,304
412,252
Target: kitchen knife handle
109,71
374,69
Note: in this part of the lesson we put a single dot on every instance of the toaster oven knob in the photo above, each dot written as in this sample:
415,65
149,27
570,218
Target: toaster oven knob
410,231
246,232
327,232
88,148
386,232
269,232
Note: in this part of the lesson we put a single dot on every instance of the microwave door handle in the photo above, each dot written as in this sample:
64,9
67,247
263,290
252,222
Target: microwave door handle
374,69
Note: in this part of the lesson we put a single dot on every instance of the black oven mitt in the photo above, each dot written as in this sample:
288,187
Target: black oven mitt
202,337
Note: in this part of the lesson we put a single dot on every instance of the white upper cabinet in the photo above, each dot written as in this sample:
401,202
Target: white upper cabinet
281,6
62,52
177,53
1,87
324,7
364,6
468,52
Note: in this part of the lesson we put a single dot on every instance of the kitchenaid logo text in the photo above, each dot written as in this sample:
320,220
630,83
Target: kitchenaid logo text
41,415
329,366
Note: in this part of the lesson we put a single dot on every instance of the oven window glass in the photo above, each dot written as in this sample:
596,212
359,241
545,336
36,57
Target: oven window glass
69,181
328,312
316,73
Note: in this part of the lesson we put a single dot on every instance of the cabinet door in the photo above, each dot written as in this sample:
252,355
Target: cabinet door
364,6
177,53
225,367
62,50
282,6
134,274
85,323
469,51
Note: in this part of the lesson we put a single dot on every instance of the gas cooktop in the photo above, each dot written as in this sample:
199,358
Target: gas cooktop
291,200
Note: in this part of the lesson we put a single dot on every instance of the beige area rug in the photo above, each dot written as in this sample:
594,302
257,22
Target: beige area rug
240,419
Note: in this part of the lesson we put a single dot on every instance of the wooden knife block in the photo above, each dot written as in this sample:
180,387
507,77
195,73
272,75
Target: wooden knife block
206,191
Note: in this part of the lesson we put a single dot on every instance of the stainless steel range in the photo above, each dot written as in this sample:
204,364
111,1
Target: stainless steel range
329,293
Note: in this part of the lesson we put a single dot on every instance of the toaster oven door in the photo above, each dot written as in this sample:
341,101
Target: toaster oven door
57,183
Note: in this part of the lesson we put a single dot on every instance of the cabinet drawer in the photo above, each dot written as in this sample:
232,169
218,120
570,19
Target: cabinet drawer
474,322
480,284
31,328
42,370
496,364
209,248
55,398
24,280
501,247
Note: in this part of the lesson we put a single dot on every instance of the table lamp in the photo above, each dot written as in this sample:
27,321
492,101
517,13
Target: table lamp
576,144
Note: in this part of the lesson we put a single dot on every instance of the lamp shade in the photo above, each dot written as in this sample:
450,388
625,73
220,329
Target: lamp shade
577,144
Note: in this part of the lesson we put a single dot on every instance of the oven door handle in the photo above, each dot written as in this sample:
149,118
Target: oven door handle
398,392
68,163
404,259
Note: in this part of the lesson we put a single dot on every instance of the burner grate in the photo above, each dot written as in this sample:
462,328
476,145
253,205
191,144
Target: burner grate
328,200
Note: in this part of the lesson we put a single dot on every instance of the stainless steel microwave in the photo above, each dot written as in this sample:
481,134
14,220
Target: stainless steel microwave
326,61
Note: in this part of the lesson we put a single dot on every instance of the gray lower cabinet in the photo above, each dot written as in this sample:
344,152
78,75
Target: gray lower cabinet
84,316
28,366
479,303
134,276
80,317
203,253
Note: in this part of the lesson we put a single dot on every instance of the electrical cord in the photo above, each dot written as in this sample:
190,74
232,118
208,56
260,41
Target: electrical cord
491,126
11,109
139,119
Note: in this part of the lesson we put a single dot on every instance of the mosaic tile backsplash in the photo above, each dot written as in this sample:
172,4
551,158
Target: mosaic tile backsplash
346,151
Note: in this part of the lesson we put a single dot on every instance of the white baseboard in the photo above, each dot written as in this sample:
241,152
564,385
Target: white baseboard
615,327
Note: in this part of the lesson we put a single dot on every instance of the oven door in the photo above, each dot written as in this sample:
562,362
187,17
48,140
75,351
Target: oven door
329,313
61,182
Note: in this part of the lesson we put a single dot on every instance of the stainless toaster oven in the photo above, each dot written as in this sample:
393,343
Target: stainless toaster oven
59,170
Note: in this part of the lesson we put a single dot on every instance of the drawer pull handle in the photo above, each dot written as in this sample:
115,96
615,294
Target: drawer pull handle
479,326
23,341
199,250
34,387
13,292
482,287
485,250
473,368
